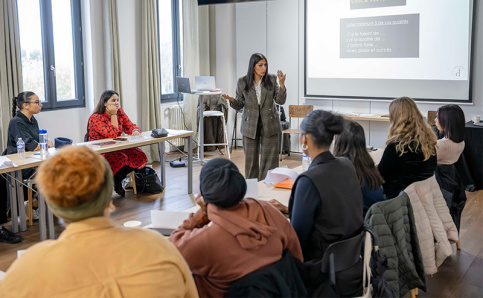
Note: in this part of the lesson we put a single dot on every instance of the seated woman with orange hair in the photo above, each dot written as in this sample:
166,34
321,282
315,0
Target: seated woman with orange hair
93,257
110,121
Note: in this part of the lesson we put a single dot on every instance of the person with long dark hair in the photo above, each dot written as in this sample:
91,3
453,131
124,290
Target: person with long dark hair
257,93
351,143
450,121
410,153
110,121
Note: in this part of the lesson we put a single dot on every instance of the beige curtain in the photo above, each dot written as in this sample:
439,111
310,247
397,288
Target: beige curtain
113,50
151,88
10,65
197,35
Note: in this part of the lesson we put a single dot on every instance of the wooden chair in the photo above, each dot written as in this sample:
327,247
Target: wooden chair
431,116
295,111
133,182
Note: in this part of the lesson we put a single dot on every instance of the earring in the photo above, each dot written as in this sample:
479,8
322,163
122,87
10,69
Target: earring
305,146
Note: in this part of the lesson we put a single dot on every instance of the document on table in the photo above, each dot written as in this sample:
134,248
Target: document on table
2,274
278,175
167,219
6,162
252,188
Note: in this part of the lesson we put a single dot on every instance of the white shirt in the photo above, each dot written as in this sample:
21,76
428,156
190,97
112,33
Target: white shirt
258,90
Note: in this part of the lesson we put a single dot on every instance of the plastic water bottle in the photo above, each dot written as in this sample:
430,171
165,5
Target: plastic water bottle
305,162
20,148
43,142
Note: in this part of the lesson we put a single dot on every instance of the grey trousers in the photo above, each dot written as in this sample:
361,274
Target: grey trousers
267,147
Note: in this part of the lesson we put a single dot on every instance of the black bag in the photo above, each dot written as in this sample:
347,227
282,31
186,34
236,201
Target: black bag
159,133
147,181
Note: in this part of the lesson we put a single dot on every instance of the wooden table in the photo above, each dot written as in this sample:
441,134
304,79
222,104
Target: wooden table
376,117
14,174
267,191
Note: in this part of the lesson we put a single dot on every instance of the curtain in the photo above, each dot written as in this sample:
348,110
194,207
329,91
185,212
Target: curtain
10,65
113,50
196,53
151,89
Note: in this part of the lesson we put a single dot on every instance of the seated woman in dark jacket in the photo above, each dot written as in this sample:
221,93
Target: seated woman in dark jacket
410,153
351,143
326,201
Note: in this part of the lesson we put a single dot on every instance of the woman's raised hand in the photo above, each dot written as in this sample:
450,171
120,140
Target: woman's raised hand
226,96
281,78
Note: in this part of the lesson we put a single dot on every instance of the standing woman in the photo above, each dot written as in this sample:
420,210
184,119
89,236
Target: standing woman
257,93
410,153
109,121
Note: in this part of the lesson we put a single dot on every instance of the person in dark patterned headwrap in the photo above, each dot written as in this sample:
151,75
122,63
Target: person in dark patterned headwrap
231,236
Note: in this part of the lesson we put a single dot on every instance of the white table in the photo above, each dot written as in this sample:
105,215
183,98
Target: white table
46,222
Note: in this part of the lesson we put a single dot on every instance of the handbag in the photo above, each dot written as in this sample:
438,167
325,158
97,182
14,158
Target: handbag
147,181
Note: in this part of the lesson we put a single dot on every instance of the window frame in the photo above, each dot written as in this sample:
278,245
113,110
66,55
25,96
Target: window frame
176,48
48,55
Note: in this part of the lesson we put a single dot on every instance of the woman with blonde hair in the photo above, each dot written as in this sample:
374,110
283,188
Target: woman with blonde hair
93,257
410,153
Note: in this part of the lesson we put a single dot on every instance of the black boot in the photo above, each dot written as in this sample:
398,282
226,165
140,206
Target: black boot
118,177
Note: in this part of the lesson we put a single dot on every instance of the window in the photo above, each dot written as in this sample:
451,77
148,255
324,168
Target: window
51,51
170,50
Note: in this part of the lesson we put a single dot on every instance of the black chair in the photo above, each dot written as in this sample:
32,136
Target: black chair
280,279
342,263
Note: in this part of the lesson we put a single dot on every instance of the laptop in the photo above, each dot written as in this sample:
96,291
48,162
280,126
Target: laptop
184,85
205,83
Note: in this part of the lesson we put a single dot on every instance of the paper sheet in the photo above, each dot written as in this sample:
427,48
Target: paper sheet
277,175
2,274
252,188
6,162
168,219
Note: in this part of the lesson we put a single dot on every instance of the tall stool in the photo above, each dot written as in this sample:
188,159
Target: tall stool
233,136
201,141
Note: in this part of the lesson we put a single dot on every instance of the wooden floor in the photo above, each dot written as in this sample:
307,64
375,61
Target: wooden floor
459,276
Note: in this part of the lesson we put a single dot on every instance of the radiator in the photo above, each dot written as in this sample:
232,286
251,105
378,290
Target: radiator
176,122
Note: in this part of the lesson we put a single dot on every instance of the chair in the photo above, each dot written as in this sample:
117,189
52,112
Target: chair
431,116
201,141
132,174
295,111
345,256
233,136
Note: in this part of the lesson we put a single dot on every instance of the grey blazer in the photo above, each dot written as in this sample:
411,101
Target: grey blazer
269,114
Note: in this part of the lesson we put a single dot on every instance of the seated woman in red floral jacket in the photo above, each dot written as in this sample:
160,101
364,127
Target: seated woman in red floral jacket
109,121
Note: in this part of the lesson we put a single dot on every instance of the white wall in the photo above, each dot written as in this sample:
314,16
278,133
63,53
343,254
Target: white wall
275,28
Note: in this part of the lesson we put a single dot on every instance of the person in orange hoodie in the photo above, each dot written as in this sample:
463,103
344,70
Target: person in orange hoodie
229,237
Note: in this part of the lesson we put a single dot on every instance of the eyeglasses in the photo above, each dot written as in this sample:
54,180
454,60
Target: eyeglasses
36,102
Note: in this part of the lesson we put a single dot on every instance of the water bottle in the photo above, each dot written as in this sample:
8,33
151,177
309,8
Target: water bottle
43,142
20,148
305,162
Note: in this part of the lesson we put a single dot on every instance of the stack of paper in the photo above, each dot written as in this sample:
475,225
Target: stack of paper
278,175
6,162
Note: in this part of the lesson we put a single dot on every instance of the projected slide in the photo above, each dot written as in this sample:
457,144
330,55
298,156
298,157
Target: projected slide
380,49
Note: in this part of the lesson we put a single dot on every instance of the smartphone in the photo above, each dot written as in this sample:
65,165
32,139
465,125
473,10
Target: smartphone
119,139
